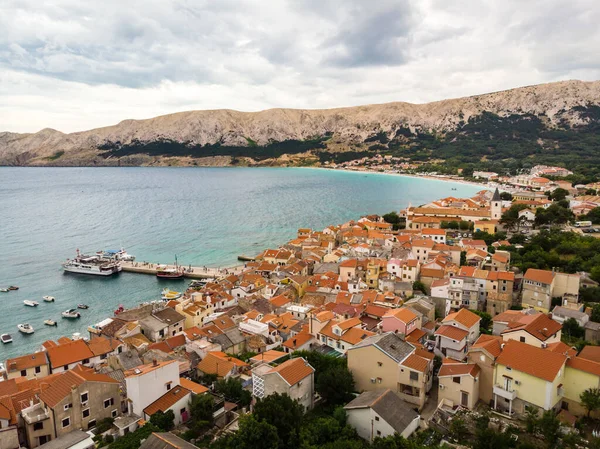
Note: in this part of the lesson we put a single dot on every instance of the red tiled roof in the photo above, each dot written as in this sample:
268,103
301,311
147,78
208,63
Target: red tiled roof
26,361
167,400
69,352
194,387
543,276
452,332
464,317
590,353
490,343
584,365
293,370
531,360
298,340
459,369
416,363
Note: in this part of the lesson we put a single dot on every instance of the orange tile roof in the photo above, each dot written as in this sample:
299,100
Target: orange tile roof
415,335
293,370
531,360
167,400
298,340
26,361
219,363
540,326
584,365
61,385
543,276
376,310
193,333
268,356
416,363
590,353
69,352
144,369
102,345
403,314
432,273
464,317
452,332
491,343
279,301
459,369
347,324
194,387
562,348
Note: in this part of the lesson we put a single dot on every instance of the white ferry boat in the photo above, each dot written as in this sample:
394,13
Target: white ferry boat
92,265
117,254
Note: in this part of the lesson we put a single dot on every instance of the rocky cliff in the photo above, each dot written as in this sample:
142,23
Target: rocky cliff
221,137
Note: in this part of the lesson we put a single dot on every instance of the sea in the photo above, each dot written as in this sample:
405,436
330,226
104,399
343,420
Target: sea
202,216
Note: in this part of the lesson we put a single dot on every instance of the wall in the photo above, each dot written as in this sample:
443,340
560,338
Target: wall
575,383
9,438
530,339
420,383
452,391
31,374
532,389
363,420
486,375
97,393
144,389
303,391
363,363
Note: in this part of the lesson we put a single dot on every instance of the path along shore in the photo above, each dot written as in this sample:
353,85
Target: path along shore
188,272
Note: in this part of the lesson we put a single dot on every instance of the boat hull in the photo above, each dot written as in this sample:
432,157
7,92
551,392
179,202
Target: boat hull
169,276
90,271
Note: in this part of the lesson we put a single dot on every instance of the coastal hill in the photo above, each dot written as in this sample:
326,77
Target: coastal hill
540,120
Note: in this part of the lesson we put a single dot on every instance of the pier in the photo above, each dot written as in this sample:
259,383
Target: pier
189,271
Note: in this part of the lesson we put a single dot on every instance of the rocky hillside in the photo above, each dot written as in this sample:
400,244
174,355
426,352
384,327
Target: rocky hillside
291,136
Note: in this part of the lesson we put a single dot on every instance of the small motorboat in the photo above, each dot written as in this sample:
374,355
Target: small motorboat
4,290
48,298
13,287
50,323
83,306
120,309
167,294
71,313
29,303
6,338
26,328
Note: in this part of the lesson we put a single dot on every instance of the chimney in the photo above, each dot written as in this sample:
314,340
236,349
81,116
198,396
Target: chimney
154,362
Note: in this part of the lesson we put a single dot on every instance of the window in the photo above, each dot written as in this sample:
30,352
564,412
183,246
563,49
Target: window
109,402
414,375
379,364
84,397
522,339
456,380
66,422
85,413
168,385
182,411
377,418
114,413
38,425
85,361
38,369
66,367
379,433
23,372
91,423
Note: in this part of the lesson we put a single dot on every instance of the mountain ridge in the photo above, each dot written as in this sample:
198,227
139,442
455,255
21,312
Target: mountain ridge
336,130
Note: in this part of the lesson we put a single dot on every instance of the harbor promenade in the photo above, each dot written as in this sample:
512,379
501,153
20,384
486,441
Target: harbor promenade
189,271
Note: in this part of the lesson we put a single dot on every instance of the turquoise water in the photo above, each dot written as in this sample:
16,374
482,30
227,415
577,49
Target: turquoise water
205,216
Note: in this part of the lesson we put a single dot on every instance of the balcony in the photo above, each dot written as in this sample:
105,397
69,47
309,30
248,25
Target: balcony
506,394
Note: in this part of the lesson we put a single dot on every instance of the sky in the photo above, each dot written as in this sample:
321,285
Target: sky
73,65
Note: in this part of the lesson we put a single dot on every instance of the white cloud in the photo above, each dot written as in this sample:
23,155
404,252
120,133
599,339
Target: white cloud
76,65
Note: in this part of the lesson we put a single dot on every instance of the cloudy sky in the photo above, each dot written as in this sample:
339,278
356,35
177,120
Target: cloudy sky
74,65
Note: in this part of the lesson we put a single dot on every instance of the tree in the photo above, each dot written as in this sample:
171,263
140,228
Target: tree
234,391
464,225
285,414
510,219
531,418
555,214
201,415
335,385
506,196
133,440
559,194
590,399
419,286
391,218
458,429
595,312
255,434
594,215
549,427
486,320
163,420
571,328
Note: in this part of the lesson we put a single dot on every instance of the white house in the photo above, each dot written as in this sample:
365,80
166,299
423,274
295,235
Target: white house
146,383
381,413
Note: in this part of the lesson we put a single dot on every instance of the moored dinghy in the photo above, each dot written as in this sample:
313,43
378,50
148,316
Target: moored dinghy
48,298
26,328
29,303
50,323
6,338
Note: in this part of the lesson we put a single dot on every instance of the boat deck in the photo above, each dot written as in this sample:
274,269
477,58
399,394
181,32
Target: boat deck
189,272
